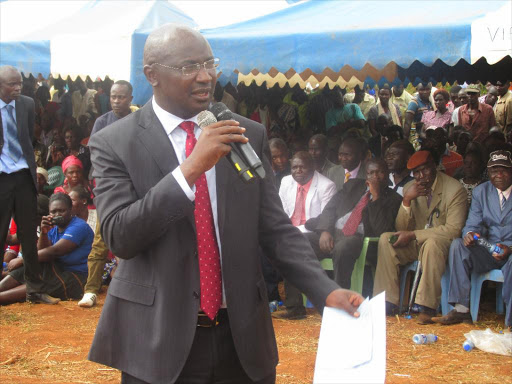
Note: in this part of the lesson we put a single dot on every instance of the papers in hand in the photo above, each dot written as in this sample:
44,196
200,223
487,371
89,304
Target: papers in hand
353,350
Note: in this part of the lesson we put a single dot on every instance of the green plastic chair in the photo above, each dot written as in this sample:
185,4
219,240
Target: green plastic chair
356,283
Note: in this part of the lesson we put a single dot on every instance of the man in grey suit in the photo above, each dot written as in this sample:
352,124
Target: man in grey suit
174,312
351,154
18,192
489,216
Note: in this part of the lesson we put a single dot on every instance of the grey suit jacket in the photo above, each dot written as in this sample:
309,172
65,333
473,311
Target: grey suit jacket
149,319
337,174
25,117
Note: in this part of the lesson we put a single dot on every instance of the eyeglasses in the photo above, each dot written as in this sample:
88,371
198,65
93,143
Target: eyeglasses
193,69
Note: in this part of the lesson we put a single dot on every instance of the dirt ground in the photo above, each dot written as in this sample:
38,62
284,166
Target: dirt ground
48,344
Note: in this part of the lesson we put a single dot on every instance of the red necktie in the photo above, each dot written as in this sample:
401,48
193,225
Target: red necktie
208,251
299,214
350,227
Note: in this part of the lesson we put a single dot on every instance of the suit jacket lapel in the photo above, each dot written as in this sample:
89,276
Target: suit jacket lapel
436,195
222,170
312,190
158,145
19,117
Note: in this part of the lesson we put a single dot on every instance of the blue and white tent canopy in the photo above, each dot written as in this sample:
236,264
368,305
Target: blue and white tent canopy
101,39
346,42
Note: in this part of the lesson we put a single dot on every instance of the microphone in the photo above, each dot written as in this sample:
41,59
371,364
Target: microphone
222,112
206,118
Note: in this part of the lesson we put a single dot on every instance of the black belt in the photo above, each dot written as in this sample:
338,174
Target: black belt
205,322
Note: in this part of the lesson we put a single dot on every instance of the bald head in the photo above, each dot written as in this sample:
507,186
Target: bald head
167,41
182,92
10,83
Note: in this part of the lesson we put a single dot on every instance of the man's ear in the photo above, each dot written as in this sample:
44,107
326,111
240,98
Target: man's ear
151,75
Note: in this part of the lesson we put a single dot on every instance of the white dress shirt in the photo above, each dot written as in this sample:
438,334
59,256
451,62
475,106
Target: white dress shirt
178,138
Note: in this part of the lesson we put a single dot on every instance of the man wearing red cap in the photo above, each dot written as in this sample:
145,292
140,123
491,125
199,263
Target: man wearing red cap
433,212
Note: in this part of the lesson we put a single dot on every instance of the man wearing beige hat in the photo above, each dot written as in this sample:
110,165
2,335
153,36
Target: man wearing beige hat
475,117
490,217
432,214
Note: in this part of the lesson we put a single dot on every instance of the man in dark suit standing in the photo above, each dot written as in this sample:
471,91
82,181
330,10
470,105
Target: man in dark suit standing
188,300
18,191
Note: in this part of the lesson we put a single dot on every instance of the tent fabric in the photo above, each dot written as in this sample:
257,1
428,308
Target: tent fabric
28,56
320,35
102,39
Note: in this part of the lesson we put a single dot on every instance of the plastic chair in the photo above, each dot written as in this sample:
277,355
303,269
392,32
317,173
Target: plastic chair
356,281
404,270
477,279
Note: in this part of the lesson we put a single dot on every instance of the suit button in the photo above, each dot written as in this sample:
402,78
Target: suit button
196,295
195,253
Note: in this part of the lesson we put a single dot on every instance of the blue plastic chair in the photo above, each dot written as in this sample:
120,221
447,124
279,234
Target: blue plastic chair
477,279
404,270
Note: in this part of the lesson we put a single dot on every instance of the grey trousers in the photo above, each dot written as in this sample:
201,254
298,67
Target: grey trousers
464,260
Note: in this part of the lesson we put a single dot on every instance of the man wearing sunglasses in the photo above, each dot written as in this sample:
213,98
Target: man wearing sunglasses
188,302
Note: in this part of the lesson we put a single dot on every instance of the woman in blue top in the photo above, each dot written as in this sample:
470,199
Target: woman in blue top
63,247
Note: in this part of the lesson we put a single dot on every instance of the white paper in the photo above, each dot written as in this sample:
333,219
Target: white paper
353,350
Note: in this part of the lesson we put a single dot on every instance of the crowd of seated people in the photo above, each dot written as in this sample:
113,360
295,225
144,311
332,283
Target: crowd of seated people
412,180
408,165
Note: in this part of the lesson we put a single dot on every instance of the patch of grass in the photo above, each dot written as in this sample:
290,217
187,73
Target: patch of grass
10,318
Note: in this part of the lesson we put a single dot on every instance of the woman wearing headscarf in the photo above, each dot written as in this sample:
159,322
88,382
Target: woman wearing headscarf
74,172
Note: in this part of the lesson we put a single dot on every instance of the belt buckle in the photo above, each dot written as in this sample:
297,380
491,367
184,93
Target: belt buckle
216,319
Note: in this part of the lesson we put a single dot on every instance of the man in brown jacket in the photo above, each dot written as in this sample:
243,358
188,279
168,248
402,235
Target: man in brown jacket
432,194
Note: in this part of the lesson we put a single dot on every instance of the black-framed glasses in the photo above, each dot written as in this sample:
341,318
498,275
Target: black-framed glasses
193,69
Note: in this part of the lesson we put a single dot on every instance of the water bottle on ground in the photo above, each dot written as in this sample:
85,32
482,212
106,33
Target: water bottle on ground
273,306
4,266
468,345
421,338
488,341
492,248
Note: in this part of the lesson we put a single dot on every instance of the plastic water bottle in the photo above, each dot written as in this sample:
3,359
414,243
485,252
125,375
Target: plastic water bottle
421,338
468,345
492,248
273,306
4,266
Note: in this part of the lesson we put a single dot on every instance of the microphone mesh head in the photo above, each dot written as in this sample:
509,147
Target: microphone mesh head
221,111
205,118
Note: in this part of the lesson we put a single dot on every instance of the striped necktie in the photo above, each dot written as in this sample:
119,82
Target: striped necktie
347,177
503,200
12,144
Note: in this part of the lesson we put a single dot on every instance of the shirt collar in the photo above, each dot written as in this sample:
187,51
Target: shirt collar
354,172
169,121
3,103
506,192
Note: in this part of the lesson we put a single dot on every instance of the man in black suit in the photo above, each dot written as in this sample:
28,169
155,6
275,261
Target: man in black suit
362,208
18,186
188,301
